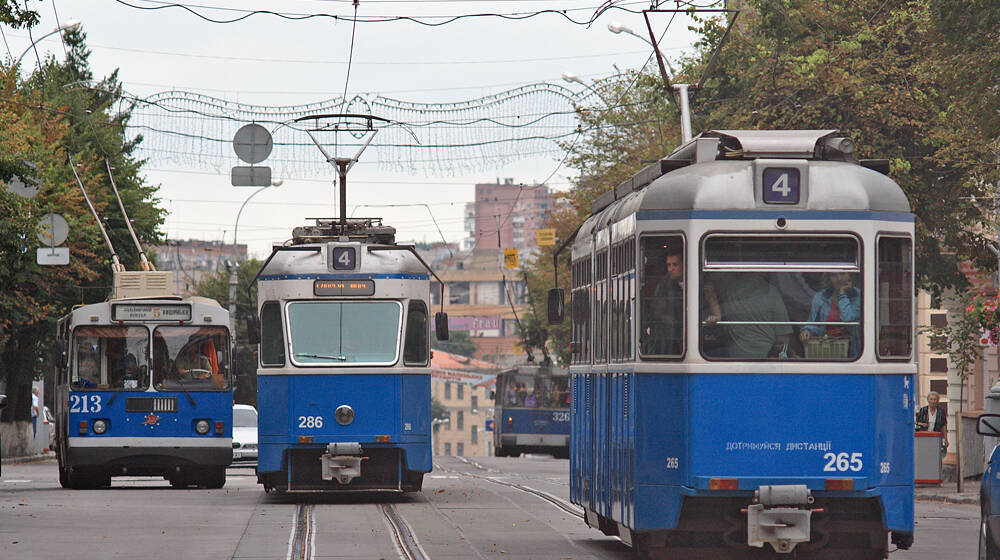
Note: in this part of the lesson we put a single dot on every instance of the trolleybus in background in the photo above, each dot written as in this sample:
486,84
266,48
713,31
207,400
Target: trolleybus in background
743,365
531,411
144,388
344,373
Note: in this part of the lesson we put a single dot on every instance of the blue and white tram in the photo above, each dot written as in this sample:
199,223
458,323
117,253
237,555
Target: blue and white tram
743,366
144,388
344,374
531,411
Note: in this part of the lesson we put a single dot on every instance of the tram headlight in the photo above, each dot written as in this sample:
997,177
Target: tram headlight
100,426
201,426
344,415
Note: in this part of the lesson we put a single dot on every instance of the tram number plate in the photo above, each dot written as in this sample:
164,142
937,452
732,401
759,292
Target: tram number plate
781,185
344,258
843,462
85,403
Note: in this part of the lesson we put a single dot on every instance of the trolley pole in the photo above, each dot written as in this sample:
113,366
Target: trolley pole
343,164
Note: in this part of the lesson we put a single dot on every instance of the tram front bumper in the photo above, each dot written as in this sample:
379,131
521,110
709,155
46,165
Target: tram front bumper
780,517
342,462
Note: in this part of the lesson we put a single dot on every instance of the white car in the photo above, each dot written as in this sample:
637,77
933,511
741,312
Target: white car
244,434
49,427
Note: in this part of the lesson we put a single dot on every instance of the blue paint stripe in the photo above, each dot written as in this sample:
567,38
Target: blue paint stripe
346,277
771,214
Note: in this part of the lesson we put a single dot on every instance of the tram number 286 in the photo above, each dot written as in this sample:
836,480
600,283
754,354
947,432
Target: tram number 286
85,403
842,462
310,421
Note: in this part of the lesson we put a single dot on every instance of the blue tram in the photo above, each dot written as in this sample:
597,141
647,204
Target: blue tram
344,373
743,359
531,411
144,388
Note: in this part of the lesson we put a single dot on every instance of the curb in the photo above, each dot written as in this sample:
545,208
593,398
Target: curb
948,498
27,459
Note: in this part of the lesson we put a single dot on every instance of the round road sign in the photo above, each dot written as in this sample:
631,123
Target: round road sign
252,143
52,229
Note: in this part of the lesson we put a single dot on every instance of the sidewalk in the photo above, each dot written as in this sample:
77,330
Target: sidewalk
948,492
28,458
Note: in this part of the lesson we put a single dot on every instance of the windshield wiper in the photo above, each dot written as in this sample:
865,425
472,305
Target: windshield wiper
323,356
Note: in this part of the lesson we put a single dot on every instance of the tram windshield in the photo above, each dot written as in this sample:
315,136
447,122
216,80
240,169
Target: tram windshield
191,358
343,333
781,297
110,358
534,391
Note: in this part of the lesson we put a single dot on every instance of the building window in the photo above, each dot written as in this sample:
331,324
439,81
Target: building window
447,390
461,449
939,365
939,344
939,320
461,420
939,386
475,402
447,449
447,425
460,389
474,434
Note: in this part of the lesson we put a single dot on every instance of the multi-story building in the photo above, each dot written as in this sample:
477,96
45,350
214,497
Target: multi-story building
517,211
463,387
193,260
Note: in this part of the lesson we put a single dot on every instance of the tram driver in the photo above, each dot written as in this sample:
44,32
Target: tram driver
199,361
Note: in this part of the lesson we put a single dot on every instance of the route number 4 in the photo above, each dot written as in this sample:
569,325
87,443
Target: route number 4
344,258
781,185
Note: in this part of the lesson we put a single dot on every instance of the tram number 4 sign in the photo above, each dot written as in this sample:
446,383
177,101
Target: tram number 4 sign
344,258
781,185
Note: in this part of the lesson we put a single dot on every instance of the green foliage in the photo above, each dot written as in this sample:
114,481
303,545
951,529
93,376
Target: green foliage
909,80
459,342
438,410
43,120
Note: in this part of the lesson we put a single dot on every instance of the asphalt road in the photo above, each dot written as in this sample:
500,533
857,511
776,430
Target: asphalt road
480,508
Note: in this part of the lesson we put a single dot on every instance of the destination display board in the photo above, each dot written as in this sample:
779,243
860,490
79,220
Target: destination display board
344,287
151,312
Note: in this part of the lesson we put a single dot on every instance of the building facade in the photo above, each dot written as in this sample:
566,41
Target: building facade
193,260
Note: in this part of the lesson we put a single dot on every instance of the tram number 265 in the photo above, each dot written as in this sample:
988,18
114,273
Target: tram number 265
85,403
842,462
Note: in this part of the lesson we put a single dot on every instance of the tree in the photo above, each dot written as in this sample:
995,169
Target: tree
907,79
216,287
459,342
45,123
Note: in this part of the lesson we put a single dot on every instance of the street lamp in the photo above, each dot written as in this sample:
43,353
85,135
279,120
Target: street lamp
233,281
619,27
573,78
71,25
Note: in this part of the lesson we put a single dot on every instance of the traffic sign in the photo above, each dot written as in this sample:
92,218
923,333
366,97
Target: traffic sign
510,258
252,143
52,256
52,229
489,425
545,237
252,176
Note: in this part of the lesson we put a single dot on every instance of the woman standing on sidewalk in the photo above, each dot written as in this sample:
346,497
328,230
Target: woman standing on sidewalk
931,418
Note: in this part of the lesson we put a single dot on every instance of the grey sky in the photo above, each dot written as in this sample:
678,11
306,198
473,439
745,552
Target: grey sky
272,61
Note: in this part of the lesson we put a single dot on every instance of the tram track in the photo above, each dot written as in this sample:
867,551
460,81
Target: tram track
556,501
302,540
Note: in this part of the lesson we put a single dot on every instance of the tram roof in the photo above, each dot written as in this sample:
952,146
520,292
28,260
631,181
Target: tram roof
715,171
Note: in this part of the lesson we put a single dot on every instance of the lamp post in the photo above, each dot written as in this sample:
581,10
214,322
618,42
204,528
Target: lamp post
71,25
233,279
573,78
619,27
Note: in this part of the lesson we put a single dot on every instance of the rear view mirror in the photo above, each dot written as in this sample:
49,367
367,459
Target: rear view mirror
3,401
988,425
253,330
441,325
556,307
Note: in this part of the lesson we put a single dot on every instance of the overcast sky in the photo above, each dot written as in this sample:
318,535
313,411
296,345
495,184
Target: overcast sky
268,60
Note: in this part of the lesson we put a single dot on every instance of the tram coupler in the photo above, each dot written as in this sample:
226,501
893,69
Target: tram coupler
342,462
779,516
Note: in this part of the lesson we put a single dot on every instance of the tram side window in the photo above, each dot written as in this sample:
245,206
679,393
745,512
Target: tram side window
191,358
780,297
581,311
895,298
110,358
415,348
272,336
661,297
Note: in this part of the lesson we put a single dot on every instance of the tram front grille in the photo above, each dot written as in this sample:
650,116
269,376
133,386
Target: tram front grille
151,404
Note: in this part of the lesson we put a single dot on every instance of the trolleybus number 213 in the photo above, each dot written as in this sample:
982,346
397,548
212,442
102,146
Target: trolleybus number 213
79,403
